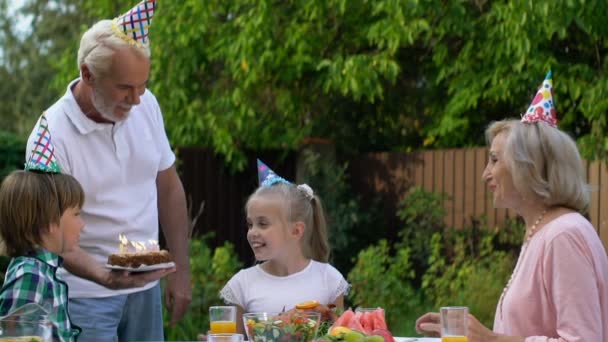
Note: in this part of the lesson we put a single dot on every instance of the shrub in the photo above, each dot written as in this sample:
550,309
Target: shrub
210,271
422,214
382,277
432,265
461,273
12,157
12,153
348,224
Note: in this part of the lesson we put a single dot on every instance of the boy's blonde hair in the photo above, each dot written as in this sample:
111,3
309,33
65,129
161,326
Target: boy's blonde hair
300,207
30,202
543,161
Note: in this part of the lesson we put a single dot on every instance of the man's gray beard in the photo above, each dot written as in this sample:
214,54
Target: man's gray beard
102,107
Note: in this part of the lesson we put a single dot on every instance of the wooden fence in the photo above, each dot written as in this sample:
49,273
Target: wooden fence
388,175
457,173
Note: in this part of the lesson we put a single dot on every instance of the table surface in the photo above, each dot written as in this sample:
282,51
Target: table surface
417,339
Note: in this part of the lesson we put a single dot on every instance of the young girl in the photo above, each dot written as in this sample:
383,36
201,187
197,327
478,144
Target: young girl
288,235
39,220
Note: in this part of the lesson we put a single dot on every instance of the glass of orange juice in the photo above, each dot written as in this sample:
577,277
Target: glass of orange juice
454,323
225,338
222,319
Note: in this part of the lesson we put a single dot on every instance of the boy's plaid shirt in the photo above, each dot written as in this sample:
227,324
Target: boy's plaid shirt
33,279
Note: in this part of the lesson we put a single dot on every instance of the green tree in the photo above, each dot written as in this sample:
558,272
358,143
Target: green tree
32,37
236,75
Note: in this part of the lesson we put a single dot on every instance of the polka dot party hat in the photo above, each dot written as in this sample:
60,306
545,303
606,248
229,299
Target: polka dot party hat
133,26
267,177
42,157
543,106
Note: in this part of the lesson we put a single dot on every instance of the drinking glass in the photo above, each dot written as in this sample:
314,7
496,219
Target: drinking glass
222,319
454,323
25,330
225,338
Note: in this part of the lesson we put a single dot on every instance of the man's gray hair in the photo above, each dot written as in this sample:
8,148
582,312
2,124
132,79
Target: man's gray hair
98,45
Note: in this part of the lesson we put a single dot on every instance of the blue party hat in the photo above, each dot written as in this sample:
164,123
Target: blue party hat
267,177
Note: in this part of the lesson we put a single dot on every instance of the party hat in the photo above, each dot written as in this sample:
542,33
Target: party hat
267,177
43,152
543,106
133,26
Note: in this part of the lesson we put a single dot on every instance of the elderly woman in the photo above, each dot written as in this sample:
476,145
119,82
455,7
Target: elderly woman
558,290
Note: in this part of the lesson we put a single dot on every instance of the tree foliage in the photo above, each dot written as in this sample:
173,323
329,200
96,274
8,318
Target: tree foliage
369,74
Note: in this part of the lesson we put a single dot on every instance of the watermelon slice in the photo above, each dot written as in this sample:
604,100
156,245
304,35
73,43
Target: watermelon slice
355,324
378,319
344,319
367,321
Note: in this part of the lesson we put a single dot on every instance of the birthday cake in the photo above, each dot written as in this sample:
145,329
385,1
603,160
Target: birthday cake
137,259
134,254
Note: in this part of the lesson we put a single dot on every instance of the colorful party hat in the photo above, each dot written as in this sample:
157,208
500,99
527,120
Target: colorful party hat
133,26
43,152
267,177
543,106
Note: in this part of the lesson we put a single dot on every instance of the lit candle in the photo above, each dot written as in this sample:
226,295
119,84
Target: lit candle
153,245
123,246
138,246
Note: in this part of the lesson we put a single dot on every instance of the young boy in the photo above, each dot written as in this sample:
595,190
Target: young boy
39,220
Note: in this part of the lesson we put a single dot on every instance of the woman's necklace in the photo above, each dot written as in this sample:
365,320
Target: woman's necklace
524,248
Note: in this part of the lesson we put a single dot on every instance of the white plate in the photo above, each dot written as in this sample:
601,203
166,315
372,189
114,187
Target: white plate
142,268
417,339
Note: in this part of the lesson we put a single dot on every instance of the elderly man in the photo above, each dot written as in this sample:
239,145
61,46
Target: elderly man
109,134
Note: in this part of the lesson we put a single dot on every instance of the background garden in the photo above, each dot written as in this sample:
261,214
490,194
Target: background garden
241,78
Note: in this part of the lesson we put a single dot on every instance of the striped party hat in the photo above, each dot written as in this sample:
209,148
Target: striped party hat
133,26
267,177
43,152
542,107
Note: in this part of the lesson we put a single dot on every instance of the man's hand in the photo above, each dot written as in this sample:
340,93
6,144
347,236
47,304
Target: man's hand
178,294
119,279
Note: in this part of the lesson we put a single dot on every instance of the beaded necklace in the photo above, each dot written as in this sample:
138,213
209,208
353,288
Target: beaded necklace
524,248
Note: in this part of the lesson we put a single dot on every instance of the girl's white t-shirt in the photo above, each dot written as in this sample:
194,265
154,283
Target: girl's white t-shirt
255,290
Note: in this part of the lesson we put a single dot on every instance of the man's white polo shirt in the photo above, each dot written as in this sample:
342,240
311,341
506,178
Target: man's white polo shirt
117,165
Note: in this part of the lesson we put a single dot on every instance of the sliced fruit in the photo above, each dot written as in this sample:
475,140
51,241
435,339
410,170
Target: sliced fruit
354,336
367,321
355,324
378,318
337,331
343,320
388,337
309,304
374,338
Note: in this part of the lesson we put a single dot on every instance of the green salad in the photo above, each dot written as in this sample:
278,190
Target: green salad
286,327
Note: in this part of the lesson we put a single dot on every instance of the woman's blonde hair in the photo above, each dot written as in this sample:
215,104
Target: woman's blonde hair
544,162
300,207
98,45
30,202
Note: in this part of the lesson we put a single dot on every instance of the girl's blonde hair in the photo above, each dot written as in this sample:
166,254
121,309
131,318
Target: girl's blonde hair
300,207
98,45
544,161
30,202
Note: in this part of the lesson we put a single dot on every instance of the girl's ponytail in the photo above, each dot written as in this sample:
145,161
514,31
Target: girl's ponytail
318,240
